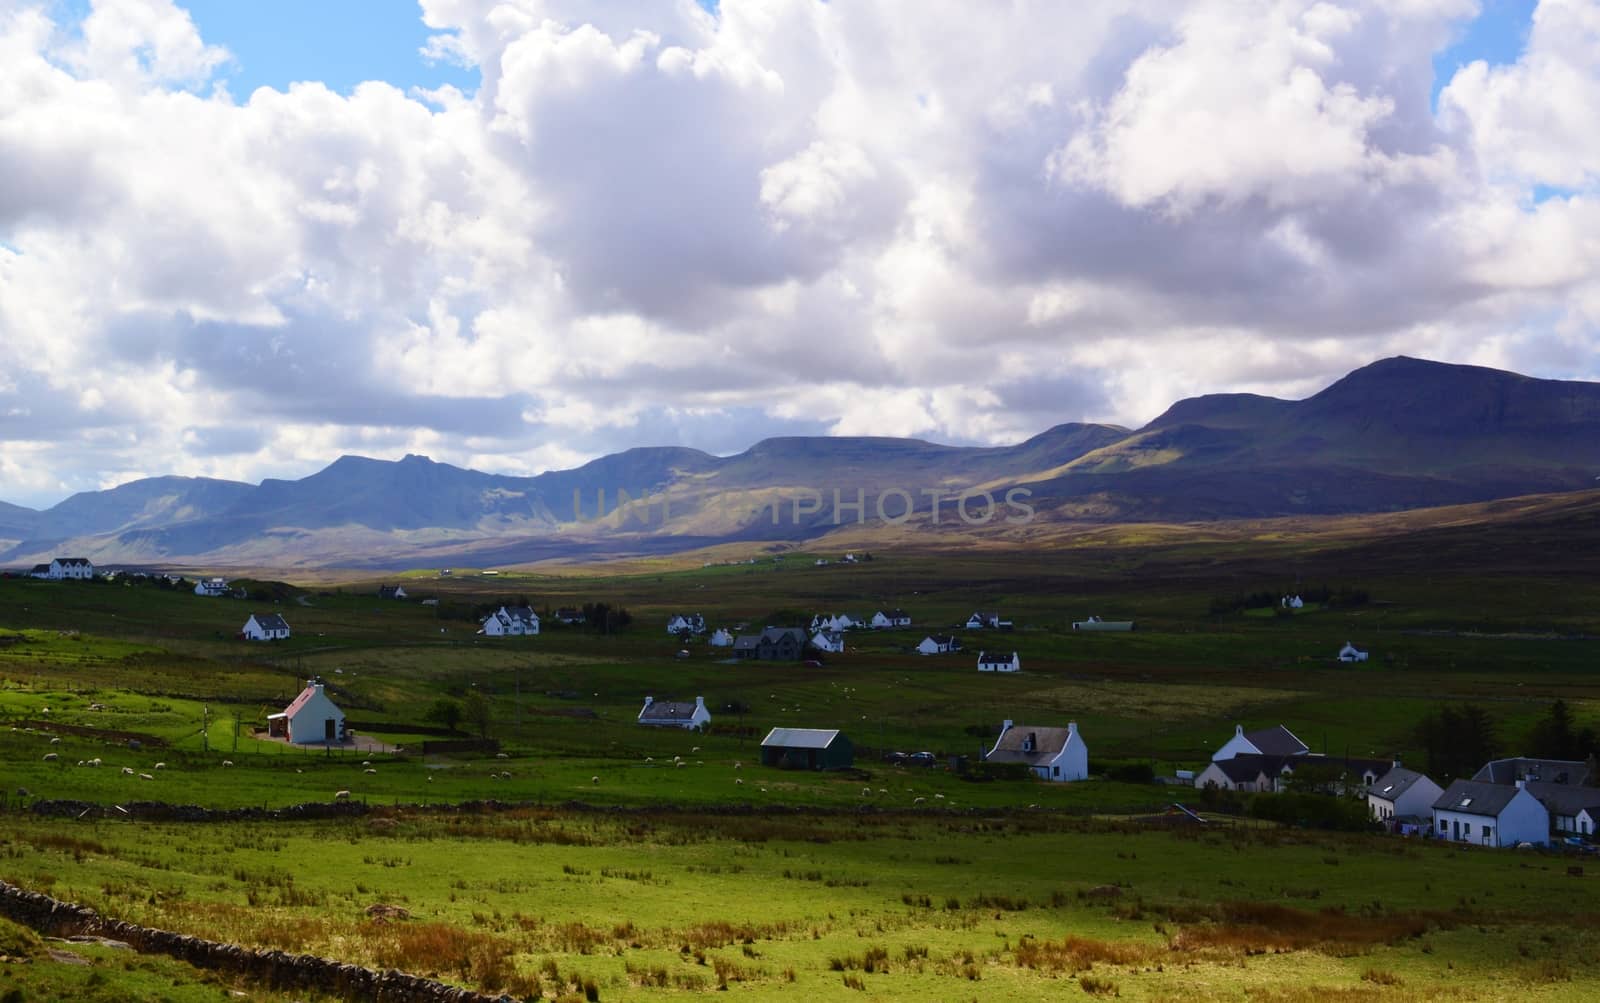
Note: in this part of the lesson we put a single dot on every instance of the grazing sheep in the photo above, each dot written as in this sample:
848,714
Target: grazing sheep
373,772
430,780
738,780
161,766
695,749
738,766
594,780
127,771
883,790
919,800
680,764
649,759
95,761
55,741
501,755
227,762
366,762
51,757
939,796
763,790
505,775
299,770
866,792
146,776
341,795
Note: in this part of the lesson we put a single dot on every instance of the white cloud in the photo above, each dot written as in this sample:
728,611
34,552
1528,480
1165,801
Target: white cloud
652,224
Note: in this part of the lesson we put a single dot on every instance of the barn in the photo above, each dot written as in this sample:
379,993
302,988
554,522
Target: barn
807,749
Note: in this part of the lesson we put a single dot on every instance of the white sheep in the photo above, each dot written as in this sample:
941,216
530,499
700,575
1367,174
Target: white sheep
146,776
372,772
919,800
51,757
161,766
341,795
95,761
55,741
738,780
738,766
680,764
127,771
939,796
501,755
695,749
366,762
866,792
505,774
594,780
227,762
298,770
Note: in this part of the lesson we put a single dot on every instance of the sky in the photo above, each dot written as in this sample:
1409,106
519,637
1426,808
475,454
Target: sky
240,240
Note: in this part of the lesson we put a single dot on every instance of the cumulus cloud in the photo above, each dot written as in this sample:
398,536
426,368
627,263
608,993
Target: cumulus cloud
652,224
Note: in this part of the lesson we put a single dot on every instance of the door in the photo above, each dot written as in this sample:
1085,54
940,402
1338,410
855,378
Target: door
327,729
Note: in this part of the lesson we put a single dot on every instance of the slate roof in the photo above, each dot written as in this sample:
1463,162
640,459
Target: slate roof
1549,771
1565,799
1474,797
776,634
996,657
1277,741
1392,786
270,621
1047,744
747,642
800,738
73,561
1246,767
667,712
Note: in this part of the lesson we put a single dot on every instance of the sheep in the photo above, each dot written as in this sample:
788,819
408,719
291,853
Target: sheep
649,759
866,792
146,776
695,749
738,780
680,764
341,795
372,772
939,796
738,766
161,766
883,790
505,774
594,780
919,800
127,771
366,762
95,761
501,755
227,762
55,741
51,757
298,770
430,780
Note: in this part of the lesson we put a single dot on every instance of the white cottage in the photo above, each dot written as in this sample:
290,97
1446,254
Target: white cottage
938,644
722,638
311,719
999,661
1057,754
986,619
265,627
1470,811
511,621
830,641
1402,793
1350,653
1293,602
675,713
212,587
1274,741
882,620
678,623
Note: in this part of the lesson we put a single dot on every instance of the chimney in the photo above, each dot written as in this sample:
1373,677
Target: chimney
699,703
1238,730
1005,726
1520,782
1072,730
1397,760
649,700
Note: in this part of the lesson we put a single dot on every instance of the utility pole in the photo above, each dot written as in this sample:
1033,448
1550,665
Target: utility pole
205,727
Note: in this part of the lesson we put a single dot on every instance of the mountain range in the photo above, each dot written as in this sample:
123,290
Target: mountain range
1399,434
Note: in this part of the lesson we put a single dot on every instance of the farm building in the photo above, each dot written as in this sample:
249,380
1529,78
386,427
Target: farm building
721,638
675,713
938,644
1293,602
1247,771
1350,653
265,627
987,619
1057,754
391,592
311,719
807,749
893,618
1095,623
678,623
1470,811
511,621
211,587
999,661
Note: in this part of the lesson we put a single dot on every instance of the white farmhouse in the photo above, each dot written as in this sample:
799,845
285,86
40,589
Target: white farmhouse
311,719
70,569
1293,602
1402,793
1588,823
694,623
1095,623
1053,753
211,587
511,621
999,661
391,592
722,638
1350,653
893,618
675,713
1470,811
938,644
265,627
986,619
828,640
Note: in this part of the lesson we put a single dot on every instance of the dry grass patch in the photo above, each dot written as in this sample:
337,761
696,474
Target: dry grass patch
1261,928
1079,954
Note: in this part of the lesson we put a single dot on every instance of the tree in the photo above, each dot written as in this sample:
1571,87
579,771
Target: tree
444,712
1457,741
1557,736
478,713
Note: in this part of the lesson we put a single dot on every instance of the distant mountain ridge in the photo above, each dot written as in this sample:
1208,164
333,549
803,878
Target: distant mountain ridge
1398,434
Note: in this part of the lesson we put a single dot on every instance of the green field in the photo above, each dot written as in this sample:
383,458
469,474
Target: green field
653,863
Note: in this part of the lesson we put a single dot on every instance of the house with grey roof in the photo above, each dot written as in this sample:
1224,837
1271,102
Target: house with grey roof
511,621
1248,772
1484,814
1567,805
831,641
265,627
1274,741
1056,754
807,749
70,569
938,644
774,644
675,713
1551,771
999,661
1402,795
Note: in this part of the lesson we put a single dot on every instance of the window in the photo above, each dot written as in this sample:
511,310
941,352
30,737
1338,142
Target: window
1466,828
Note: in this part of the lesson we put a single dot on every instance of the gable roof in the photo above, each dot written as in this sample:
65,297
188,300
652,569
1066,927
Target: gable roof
1392,786
996,657
1564,799
1047,744
668,711
270,621
1247,766
1549,771
1474,797
800,738
69,561
773,635
747,642
300,701
1277,741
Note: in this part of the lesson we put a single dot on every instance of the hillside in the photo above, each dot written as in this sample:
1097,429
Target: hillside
1397,435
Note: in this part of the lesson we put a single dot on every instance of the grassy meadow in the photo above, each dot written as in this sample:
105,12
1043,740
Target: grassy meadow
645,864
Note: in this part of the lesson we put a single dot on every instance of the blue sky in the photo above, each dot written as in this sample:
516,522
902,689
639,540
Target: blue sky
1496,36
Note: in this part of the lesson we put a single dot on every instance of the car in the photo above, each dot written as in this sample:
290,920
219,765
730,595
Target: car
897,758
922,759
812,663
